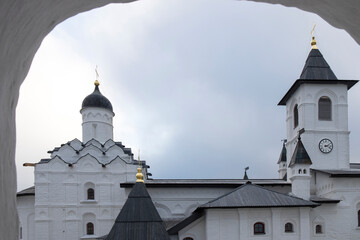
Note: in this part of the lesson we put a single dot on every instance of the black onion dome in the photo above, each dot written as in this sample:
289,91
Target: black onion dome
96,99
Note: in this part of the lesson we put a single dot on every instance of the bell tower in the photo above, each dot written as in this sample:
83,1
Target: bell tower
317,105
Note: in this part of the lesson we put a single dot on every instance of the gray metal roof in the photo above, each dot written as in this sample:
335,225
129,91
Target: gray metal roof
299,82
254,196
138,219
300,156
246,196
318,199
282,157
26,192
340,172
230,183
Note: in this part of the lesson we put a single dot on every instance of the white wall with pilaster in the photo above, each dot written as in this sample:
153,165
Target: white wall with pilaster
238,224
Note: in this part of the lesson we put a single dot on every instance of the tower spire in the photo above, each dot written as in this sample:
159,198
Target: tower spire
96,83
313,41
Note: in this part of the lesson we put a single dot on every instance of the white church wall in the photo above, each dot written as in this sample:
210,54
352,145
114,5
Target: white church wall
231,224
25,205
97,123
195,230
61,196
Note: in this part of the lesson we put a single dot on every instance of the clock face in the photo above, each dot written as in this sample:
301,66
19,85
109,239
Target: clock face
326,145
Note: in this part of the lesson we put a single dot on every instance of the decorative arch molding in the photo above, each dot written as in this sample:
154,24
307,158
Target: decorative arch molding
117,161
188,236
115,149
189,209
24,26
163,210
326,93
93,142
294,101
92,150
318,220
292,221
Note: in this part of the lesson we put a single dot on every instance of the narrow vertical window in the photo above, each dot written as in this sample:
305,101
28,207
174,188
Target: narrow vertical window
324,108
358,215
259,228
289,227
296,116
20,233
90,194
89,228
318,229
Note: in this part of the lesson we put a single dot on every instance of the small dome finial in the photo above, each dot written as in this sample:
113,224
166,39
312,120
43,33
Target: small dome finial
96,83
139,175
313,41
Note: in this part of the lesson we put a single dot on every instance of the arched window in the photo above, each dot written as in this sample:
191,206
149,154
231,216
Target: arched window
324,108
90,194
188,238
296,116
289,227
304,171
318,229
299,171
89,228
358,213
259,228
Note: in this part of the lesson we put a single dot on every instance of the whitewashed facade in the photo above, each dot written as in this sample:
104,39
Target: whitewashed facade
61,206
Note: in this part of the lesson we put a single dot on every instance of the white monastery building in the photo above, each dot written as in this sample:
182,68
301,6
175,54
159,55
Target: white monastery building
81,188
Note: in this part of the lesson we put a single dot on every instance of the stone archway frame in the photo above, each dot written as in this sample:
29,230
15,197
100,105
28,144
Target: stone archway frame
23,26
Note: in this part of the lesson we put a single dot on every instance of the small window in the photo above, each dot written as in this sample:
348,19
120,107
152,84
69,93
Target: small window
324,108
289,227
296,116
89,228
358,213
90,194
304,171
259,228
20,233
299,171
318,229
188,238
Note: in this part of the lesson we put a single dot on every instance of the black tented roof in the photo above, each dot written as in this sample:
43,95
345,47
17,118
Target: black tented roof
300,155
316,71
138,219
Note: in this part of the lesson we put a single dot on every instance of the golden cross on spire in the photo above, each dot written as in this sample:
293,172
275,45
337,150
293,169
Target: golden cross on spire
313,41
313,30
97,77
139,157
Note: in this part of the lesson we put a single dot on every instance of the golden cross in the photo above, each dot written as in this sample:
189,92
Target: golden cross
313,30
139,157
97,74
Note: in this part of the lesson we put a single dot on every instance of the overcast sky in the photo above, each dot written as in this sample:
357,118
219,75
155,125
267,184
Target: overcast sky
194,84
